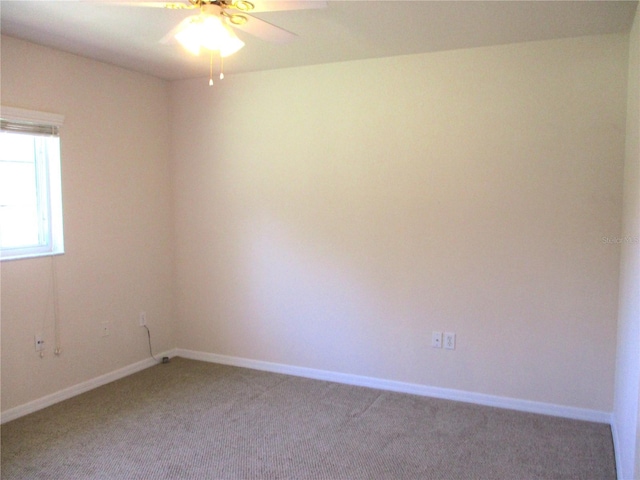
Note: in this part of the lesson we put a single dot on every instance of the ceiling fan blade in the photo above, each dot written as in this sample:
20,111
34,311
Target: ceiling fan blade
177,5
258,5
281,5
264,30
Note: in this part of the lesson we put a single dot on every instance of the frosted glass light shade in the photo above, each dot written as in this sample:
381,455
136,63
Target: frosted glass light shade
208,32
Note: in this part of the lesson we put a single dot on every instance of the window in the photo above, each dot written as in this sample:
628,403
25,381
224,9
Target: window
30,187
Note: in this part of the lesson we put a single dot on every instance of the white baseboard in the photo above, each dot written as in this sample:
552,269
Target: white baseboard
402,387
74,390
349,379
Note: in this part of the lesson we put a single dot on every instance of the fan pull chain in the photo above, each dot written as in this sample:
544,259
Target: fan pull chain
211,69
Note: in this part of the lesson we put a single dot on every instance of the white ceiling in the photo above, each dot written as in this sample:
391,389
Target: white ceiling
129,36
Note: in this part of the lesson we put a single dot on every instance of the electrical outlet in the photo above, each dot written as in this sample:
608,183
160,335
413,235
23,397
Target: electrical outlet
142,319
39,340
436,339
104,332
449,340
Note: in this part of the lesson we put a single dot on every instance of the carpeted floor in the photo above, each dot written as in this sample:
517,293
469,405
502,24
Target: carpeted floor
196,420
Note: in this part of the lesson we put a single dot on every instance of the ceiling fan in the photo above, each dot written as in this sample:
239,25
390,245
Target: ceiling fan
212,27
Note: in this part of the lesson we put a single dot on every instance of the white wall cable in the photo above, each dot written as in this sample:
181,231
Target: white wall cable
56,307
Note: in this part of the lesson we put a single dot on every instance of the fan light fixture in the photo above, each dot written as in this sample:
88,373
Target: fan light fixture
206,31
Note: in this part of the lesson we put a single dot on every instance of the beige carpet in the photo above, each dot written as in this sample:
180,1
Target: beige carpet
196,420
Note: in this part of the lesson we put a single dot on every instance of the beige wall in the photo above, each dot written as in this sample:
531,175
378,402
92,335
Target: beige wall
333,216
627,405
117,219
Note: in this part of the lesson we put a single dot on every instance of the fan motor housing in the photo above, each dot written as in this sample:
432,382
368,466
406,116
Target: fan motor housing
242,5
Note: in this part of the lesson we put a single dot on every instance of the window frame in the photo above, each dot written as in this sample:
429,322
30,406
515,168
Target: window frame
48,175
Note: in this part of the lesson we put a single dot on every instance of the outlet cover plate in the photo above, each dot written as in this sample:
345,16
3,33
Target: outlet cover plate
436,339
39,340
449,340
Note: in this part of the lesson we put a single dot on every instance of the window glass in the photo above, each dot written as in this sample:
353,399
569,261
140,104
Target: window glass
30,193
